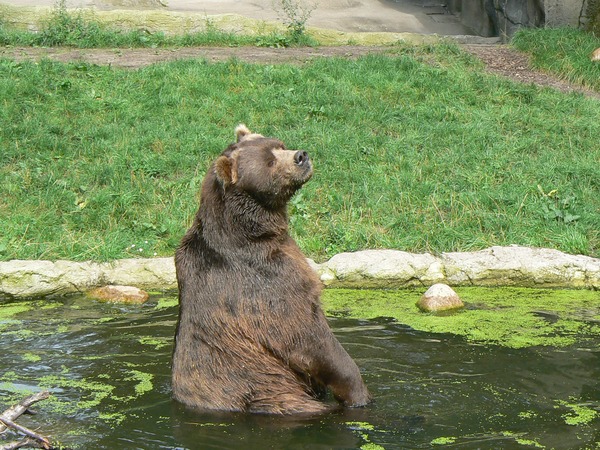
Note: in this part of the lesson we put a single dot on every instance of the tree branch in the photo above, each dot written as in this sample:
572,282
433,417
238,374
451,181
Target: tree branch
27,432
22,407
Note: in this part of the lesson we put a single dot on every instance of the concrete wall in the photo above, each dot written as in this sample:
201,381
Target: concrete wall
565,12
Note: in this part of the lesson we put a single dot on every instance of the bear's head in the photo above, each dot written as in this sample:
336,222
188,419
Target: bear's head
262,168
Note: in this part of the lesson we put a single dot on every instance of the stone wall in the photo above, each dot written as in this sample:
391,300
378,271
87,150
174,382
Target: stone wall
495,266
504,17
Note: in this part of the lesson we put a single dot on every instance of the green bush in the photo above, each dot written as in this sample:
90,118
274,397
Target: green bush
69,29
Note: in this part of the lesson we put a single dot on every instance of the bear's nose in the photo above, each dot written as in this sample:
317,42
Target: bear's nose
300,157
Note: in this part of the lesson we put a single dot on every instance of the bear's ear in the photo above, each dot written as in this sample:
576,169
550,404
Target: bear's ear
242,133
226,170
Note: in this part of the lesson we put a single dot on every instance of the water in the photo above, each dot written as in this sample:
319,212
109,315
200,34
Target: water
107,367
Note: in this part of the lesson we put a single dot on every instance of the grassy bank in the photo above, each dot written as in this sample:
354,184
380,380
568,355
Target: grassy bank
564,52
88,28
419,150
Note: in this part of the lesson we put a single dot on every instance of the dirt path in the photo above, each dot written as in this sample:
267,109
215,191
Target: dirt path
508,62
499,59
135,58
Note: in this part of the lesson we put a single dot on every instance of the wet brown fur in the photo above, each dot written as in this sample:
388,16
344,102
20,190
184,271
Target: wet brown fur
251,335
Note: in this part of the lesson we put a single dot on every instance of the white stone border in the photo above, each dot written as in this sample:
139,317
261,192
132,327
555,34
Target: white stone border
495,266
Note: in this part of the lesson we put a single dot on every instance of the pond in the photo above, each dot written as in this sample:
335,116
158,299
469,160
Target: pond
107,368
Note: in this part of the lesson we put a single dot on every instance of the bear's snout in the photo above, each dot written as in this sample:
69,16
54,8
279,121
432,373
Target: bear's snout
301,158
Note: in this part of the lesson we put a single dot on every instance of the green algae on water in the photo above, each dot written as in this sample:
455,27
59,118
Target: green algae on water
157,343
371,446
144,381
512,317
9,310
362,429
364,426
521,441
167,302
31,357
579,414
115,418
92,393
527,414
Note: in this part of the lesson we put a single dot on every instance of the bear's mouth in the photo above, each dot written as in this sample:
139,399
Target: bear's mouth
302,161
305,174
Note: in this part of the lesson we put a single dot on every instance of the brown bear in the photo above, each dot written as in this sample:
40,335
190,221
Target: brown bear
251,334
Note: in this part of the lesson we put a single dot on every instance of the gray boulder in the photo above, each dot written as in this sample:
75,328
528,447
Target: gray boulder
521,266
119,294
27,279
381,269
439,297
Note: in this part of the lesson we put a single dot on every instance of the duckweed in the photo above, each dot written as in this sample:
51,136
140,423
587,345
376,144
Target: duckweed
512,317
580,414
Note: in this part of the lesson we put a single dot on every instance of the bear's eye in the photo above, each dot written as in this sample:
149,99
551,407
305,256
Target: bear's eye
271,163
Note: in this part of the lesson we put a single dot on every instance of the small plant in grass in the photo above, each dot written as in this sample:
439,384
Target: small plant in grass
557,207
299,209
273,40
295,14
140,250
67,28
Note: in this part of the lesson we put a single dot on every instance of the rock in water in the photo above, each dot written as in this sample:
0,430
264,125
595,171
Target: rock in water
439,297
119,294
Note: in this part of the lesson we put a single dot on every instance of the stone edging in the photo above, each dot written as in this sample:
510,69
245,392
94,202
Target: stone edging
495,266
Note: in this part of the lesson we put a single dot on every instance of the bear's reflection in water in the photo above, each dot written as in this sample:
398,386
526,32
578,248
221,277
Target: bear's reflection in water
339,429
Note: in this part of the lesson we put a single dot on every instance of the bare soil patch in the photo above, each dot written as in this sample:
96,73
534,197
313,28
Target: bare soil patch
498,59
141,57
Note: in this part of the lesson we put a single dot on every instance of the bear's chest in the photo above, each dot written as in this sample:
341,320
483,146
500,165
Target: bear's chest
276,272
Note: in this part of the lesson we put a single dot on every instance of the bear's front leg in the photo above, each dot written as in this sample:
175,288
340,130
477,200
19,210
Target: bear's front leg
341,374
326,361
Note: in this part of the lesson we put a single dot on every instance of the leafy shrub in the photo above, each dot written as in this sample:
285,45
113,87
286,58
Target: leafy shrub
295,14
66,28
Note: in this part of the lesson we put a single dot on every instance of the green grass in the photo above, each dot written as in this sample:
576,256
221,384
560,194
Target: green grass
418,150
564,52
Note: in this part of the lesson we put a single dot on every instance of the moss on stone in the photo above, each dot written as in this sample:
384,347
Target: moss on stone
512,317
